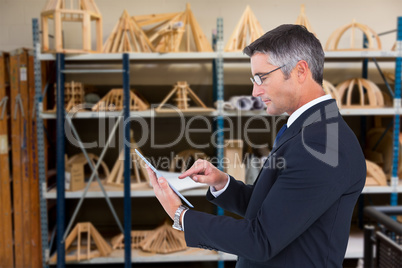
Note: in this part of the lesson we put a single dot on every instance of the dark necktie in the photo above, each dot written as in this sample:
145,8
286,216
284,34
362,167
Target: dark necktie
280,133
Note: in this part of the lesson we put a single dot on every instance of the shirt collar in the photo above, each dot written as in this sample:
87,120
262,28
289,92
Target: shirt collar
305,107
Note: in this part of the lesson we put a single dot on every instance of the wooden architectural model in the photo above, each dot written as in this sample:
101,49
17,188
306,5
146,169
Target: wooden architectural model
163,240
373,41
127,36
247,30
174,32
390,76
302,20
184,159
73,95
84,243
113,101
7,211
181,94
75,165
75,11
136,238
138,171
233,152
379,149
331,89
375,175
368,95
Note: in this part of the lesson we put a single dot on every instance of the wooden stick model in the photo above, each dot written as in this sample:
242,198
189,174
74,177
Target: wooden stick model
127,36
374,42
75,166
184,158
330,89
175,32
369,94
375,175
80,159
247,30
113,101
379,149
61,11
183,94
164,239
302,20
139,175
84,242
73,95
136,238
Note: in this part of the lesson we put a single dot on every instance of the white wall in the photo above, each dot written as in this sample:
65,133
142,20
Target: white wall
325,16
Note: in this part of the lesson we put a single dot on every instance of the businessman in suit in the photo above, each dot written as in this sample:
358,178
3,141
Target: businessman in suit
297,214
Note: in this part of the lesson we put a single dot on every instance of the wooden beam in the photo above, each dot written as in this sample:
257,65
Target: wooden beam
6,230
36,248
25,166
246,31
16,161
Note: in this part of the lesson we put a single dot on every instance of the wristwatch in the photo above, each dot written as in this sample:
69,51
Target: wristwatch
176,222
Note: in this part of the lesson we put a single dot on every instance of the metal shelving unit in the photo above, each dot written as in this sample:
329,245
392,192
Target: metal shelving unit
59,193
152,113
219,58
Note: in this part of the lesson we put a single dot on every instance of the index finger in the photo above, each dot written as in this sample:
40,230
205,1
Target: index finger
196,169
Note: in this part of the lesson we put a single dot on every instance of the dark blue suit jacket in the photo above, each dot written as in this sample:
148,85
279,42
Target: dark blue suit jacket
298,212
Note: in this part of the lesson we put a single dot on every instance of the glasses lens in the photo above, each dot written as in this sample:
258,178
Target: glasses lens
257,80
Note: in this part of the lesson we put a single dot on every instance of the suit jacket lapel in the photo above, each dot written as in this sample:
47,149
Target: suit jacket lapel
310,116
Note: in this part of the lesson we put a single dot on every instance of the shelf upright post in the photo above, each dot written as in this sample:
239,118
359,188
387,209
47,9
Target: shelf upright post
363,138
60,151
127,145
40,143
219,94
397,106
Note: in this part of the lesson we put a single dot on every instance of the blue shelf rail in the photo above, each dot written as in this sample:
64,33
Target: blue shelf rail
60,163
397,105
127,145
219,95
40,143
61,120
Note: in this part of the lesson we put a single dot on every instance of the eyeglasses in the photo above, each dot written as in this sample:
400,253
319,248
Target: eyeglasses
258,77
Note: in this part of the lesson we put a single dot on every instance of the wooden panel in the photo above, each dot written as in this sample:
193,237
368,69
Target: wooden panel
234,156
16,160
25,167
36,249
7,250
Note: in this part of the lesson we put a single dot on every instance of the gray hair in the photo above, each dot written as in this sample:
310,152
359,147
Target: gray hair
286,45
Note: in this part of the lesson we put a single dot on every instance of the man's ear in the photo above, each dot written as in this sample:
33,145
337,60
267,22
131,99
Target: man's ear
302,70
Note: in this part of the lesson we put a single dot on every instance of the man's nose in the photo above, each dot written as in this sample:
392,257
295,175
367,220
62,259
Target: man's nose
257,90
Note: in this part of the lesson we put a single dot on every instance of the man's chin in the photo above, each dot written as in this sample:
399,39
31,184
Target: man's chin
273,112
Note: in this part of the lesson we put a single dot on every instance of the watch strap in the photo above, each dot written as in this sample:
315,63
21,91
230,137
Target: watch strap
176,221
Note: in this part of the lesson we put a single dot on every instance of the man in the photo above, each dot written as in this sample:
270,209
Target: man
299,214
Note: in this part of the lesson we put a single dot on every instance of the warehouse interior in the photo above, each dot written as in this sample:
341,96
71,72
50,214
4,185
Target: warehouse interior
169,78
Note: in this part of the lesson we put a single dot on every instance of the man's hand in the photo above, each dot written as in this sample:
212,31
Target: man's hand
168,199
204,172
